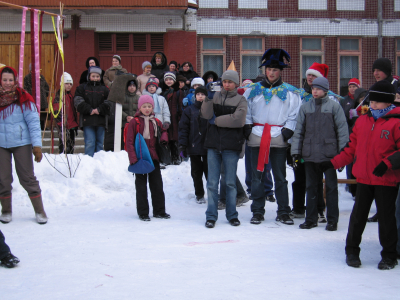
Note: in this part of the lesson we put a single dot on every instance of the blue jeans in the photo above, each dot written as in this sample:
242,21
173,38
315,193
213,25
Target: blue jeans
229,158
94,139
398,221
277,157
268,185
222,188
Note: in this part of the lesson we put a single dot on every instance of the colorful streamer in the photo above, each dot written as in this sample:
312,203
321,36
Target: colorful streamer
37,62
22,48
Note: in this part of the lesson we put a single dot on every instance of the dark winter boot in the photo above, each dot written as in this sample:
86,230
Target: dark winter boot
308,225
234,222
257,219
387,264
162,216
353,260
210,224
6,209
144,218
373,219
37,204
10,261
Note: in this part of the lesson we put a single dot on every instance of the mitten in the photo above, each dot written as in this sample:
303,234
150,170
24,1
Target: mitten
183,153
325,165
165,125
286,133
380,169
296,161
37,152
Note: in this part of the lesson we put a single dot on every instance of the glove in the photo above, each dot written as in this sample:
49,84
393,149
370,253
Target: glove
76,130
296,161
286,133
212,120
37,152
325,165
380,169
165,125
247,130
185,101
352,113
183,153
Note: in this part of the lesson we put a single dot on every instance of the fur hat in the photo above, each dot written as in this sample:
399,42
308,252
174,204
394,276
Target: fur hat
117,57
145,64
382,91
355,82
275,58
383,64
200,89
145,99
67,78
197,80
152,81
181,78
321,83
319,70
170,75
231,75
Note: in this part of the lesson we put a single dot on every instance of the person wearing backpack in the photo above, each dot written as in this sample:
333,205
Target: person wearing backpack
145,123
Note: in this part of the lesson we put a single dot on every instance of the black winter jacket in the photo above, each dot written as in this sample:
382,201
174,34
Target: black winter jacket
89,96
192,130
158,70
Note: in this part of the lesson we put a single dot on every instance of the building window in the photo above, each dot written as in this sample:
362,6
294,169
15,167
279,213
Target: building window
312,50
398,57
350,5
349,62
213,55
128,43
313,4
259,4
251,52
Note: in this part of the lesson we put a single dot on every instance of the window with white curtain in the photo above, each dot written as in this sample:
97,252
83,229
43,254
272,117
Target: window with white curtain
213,54
312,50
251,52
349,62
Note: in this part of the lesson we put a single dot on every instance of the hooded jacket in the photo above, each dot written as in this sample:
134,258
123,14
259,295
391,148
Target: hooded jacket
89,96
189,75
84,75
371,143
158,70
208,74
164,114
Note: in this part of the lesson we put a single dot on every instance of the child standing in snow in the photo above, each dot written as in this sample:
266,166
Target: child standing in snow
152,131
191,98
375,149
192,131
6,258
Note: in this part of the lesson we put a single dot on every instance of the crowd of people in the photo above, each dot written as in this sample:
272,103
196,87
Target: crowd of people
215,121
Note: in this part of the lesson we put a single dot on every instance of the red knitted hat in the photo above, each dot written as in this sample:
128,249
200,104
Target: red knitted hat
151,81
354,81
319,70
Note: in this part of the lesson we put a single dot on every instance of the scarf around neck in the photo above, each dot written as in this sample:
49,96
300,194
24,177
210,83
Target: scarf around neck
146,130
15,96
378,113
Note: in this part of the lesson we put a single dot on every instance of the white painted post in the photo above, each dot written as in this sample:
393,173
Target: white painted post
118,124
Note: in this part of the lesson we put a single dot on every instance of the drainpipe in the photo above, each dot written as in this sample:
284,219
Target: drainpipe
380,27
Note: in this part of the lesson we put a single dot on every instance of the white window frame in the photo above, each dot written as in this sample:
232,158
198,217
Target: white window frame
349,53
251,52
215,52
307,52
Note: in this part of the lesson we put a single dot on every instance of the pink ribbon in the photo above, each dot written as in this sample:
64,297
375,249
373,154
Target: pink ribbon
22,48
37,62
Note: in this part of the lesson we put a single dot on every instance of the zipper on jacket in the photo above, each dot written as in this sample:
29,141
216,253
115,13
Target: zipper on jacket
20,132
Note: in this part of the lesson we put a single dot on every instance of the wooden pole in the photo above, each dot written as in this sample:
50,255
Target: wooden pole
21,7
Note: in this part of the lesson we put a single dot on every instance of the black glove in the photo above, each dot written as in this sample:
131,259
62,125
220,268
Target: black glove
380,169
296,161
247,130
325,165
287,134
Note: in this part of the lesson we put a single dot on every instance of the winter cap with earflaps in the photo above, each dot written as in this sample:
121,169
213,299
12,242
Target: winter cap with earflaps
67,78
355,82
201,89
197,80
318,70
231,75
145,99
170,75
383,64
117,57
382,91
145,64
321,83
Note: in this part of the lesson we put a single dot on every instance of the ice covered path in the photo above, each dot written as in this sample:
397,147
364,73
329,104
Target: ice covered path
95,247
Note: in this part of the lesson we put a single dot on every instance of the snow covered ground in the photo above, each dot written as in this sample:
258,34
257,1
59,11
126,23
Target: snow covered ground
95,247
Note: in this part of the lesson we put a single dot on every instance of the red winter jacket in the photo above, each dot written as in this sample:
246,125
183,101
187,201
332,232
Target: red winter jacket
371,143
151,143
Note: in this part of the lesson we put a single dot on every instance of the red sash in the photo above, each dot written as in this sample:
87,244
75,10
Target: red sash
263,155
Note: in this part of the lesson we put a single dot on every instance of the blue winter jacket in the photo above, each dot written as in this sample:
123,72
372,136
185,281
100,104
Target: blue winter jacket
20,128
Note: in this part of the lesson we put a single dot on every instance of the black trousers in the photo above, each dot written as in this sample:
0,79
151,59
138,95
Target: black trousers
313,181
299,191
199,166
70,141
385,199
4,249
156,189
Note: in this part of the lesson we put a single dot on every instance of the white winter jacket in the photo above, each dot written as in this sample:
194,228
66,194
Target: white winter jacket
163,115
